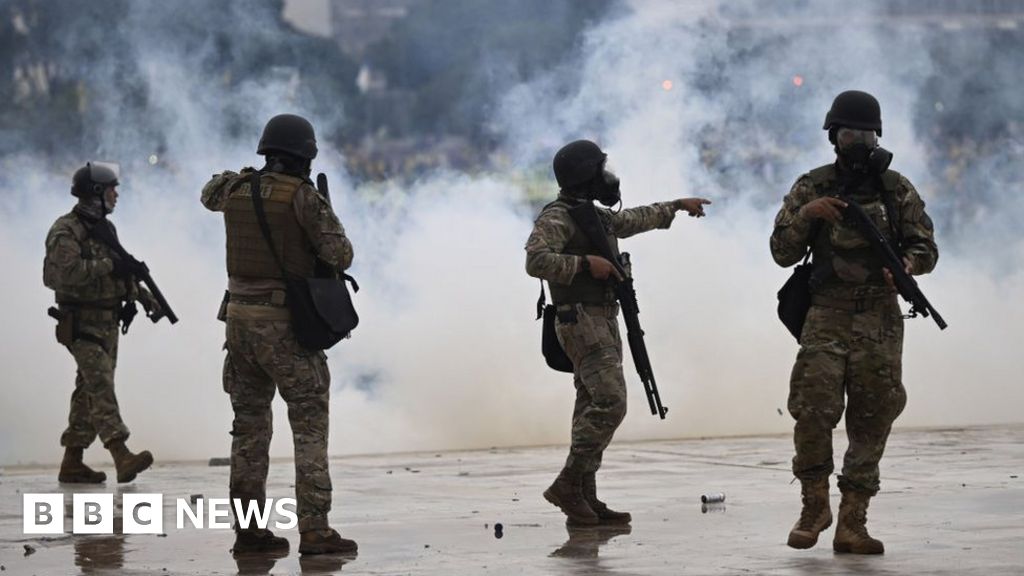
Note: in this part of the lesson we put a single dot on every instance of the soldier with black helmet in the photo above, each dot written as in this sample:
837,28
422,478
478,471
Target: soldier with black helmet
582,288
263,355
852,340
95,291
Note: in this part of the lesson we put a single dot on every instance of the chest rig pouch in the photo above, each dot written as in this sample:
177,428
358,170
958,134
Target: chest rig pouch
795,295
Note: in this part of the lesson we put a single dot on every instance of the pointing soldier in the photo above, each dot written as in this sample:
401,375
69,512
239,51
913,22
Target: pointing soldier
582,287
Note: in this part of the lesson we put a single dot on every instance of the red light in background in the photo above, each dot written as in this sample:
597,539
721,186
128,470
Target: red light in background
798,81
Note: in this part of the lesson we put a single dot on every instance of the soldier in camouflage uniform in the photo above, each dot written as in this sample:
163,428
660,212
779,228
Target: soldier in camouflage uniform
852,341
581,284
92,286
263,355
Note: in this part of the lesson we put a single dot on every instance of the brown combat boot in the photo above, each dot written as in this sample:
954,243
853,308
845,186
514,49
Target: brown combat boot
259,541
815,516
326,541
128,465
74,471
604,514
852,531
567,493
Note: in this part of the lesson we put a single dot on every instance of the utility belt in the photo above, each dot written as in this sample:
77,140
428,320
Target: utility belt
69,318
604,310
855,305
97,310
267,306
92,313
273,298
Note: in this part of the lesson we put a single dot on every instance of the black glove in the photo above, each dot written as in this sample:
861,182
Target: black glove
128,312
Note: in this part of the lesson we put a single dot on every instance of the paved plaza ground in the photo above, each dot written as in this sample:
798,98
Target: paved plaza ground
952,502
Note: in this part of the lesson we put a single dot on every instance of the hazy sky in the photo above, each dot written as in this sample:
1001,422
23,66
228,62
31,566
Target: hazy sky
310,15
448,352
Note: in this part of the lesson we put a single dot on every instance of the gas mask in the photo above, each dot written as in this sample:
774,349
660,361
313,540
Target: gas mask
860,151
605,188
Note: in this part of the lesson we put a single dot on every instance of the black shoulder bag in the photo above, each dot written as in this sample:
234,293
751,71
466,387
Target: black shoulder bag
795,294
321,308
554,354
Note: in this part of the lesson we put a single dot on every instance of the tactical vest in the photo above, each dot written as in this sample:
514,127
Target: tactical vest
584,289
105,291
842,254
247,251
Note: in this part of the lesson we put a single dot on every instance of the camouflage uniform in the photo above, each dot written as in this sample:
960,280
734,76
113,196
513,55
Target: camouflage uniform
79,269
852,341
262,353
588,326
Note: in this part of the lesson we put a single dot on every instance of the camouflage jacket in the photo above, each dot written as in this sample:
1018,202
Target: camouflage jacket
840,250
554,228
78,267
316,217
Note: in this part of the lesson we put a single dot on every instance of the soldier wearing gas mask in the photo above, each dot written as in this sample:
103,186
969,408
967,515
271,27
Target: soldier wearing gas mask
852,340
581,284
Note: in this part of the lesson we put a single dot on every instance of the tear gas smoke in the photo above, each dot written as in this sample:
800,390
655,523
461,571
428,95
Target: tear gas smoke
448,355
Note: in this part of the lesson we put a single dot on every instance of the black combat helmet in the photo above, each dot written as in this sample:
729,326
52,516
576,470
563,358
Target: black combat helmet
290,134
855,109
92,179
577,162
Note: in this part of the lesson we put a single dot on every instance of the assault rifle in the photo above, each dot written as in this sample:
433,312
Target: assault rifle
104,232
321,186
323,270
905,283
586,217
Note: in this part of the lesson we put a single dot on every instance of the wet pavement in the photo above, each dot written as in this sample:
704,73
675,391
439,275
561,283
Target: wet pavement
952,503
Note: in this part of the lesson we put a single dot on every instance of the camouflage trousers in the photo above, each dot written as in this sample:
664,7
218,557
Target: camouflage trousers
858,354
94,409
591,340
263,357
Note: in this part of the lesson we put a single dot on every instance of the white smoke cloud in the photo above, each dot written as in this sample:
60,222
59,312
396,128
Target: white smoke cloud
447,354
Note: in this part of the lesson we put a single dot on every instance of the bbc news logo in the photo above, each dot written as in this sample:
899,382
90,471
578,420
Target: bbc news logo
94,513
